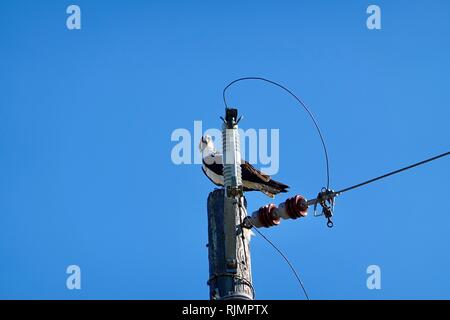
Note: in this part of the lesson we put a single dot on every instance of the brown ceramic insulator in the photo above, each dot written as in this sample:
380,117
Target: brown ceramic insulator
265,215
296,207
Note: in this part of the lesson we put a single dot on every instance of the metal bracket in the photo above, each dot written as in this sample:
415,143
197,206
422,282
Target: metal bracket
326,200
235,191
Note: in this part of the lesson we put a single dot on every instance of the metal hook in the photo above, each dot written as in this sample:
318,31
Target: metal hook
330,223
326,200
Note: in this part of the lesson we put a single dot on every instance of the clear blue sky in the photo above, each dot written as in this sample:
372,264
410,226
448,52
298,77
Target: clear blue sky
86,116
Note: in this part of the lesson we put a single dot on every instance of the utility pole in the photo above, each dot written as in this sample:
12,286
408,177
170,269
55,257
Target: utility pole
228,243
230,276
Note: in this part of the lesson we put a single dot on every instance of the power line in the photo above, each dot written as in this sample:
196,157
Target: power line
326,196
329,194
394,172
299,101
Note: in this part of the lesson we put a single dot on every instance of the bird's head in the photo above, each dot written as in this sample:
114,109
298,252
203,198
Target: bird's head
206,143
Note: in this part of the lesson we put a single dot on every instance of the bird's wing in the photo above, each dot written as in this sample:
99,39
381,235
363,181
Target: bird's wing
250,173
214,164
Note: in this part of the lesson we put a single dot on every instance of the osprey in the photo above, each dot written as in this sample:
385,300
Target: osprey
252,178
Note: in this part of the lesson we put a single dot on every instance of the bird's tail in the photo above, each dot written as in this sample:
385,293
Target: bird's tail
273,187
278,185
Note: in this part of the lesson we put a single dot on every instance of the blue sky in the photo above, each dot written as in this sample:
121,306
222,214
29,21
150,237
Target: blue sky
86,116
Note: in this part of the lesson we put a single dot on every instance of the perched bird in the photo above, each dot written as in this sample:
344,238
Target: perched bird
252,178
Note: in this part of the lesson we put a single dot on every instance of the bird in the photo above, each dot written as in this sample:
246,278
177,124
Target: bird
252,178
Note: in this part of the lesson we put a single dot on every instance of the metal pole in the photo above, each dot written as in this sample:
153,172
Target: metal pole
229,251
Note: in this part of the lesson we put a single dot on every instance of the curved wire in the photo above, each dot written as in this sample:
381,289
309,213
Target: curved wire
287,261
299,101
